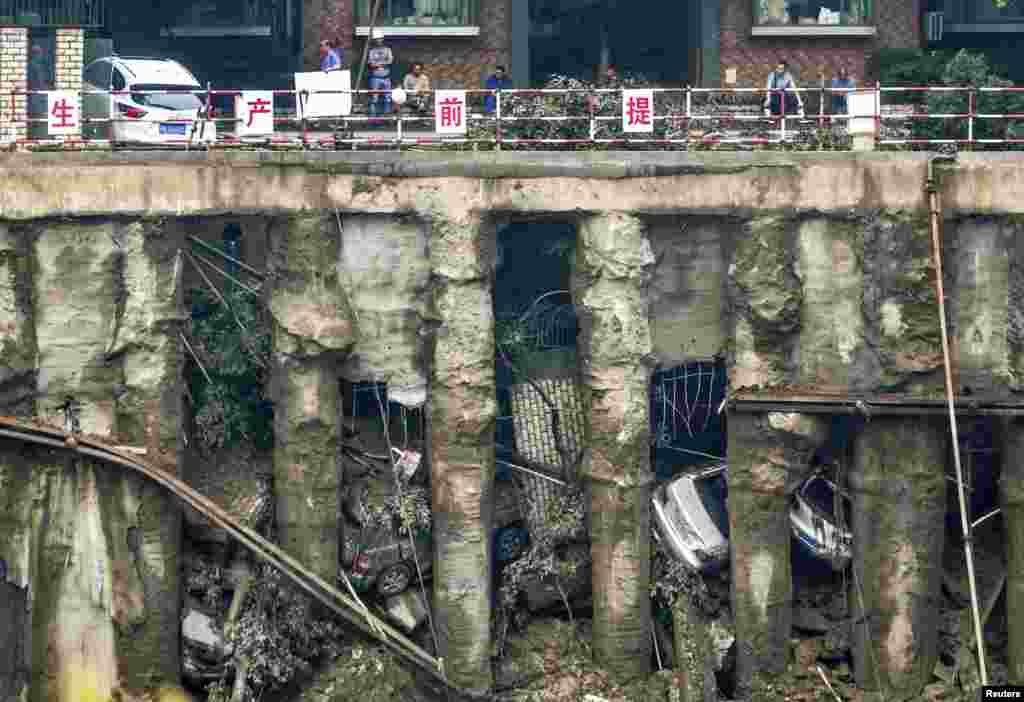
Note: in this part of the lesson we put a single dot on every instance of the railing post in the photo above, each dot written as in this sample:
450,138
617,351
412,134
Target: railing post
399,121
970,115
782,113
689,112
878,111
497,116
302,115
593,124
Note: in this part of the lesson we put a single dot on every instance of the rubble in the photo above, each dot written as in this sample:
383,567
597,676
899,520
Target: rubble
408,609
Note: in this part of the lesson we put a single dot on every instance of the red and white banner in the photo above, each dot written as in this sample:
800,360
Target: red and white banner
638,111
450,111
254,110
63,113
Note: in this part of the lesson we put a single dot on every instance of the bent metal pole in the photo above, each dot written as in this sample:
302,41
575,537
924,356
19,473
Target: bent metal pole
965,520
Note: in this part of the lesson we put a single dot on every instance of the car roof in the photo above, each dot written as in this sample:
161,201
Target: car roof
161,71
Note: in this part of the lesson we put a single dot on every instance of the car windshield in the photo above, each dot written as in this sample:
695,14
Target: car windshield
714,493
144,95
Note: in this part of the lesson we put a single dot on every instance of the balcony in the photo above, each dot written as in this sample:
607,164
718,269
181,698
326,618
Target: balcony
45,13
801,18
420,17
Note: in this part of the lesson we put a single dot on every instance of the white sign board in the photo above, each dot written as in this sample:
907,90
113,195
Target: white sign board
638,111
450,111
337,103
862,111
254,112
63,113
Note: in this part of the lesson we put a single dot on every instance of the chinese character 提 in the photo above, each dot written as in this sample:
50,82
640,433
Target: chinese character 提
639,110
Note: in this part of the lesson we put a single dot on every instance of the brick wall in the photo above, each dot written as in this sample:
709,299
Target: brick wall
69,54
461,61
896,23
13,78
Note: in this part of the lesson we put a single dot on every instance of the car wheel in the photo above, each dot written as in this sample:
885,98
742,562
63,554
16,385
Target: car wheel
510,543
394,580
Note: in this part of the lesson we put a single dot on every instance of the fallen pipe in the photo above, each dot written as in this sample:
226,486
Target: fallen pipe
935,212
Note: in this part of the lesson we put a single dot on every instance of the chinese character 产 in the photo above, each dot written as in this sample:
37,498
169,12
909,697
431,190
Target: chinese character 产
259,106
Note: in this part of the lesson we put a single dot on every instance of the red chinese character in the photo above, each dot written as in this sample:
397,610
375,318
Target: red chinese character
451,112
259,106
63,112
639,110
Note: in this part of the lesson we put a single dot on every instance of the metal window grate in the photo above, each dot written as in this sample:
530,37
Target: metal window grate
46,13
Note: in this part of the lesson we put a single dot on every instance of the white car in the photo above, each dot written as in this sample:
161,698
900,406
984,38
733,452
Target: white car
691,516
143,101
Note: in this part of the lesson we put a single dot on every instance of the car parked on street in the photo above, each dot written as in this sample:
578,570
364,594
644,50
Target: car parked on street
691,518
141,100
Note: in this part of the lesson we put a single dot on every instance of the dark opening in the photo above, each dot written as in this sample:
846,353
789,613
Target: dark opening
232,239
365,400
133,539
686,426
3,570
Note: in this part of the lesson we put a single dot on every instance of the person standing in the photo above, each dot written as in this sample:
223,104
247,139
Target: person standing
379,61
330,58
417,85
840,96
782,80
496,81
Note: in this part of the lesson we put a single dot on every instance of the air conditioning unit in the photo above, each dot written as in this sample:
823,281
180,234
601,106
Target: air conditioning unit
933,26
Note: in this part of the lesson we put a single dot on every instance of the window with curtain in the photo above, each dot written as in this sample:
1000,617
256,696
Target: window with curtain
813,12
418,12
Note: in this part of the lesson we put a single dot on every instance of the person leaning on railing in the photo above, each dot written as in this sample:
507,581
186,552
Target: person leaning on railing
417,85
782,80
840,85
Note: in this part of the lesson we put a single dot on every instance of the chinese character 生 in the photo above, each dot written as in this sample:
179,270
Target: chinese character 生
64,112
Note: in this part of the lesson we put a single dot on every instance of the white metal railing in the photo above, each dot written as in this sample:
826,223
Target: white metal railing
531,118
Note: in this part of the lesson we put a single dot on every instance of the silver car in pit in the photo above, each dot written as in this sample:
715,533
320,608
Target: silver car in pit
691,516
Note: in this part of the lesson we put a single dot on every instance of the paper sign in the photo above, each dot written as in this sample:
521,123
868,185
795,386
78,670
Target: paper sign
254,110
638,111
63,113
450,111
324,104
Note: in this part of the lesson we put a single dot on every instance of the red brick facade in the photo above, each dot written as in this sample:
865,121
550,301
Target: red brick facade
896,22
454,60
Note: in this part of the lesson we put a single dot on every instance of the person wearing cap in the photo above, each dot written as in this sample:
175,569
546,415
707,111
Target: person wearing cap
379,61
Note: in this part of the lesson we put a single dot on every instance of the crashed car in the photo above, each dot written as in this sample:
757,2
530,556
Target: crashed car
691,516
813,521
692,519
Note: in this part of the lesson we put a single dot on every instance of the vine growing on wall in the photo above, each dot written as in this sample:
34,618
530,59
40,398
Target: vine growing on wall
228,384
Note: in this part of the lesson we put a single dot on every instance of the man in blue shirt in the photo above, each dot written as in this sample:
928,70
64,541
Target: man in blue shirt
497,81
380,59
840,102
330,58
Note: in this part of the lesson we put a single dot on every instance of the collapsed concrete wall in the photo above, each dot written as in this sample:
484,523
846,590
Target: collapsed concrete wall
105,309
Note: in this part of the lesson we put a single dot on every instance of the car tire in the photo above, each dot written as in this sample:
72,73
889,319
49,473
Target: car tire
394,580
510,543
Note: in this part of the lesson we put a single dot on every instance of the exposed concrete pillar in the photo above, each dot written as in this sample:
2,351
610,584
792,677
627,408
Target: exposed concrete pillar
695,651
104,606
312,327
766,452
461,410
1012,497
898,483
613,269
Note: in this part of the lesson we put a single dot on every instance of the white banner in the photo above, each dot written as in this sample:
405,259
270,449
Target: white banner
638,111
254,110
63,113
450,111
329,104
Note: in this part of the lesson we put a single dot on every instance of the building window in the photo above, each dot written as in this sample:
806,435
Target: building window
812,12
419,13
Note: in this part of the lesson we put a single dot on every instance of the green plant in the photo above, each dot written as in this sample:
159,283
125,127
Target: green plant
229,399
969,69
